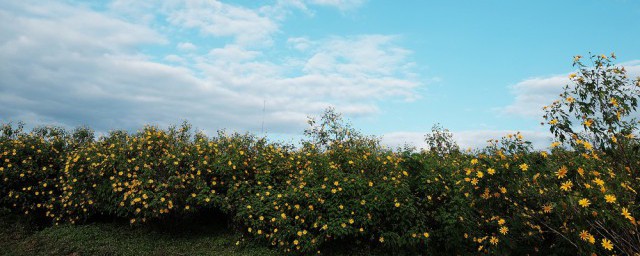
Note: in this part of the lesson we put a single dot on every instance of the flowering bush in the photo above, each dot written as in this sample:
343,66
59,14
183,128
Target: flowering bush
339,186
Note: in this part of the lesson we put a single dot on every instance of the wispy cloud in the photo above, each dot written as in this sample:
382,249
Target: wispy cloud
246,26
71,65
531,95
186,46
340,4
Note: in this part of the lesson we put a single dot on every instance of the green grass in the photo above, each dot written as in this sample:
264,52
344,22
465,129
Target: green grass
18,236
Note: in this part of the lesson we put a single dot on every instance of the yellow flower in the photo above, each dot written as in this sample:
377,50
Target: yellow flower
494,240
524,167
588,122
614,102
610,198
554,121
491,171
426,235
474,161
397,204
381,239
295,242
606,243
570,99
547,208
504,230
480,174
562,172
584,202
567,185
572,75
598,181
626,214
584,235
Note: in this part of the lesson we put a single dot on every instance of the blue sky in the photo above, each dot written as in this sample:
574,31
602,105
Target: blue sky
480,68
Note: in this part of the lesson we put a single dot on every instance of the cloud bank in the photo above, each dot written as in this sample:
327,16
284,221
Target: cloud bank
531,95
72,65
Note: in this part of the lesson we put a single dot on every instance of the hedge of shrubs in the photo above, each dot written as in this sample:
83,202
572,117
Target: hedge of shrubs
337,186
300,199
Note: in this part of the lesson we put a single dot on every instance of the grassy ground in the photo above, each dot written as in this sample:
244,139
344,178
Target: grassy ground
19,236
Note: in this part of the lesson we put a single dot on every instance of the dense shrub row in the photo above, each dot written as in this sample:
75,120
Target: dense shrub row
337,186
301,199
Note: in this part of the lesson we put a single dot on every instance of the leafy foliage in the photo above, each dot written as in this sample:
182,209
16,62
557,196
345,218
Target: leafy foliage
600,98
342,187
441,141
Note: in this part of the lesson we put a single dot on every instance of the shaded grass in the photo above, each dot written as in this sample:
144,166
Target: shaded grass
204,234
20,236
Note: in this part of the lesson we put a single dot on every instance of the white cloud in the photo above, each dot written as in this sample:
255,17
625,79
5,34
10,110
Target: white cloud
367,66
69,65
531,95
300,43
99,33
246,26
346,78
474,139
232,53
368,55
340,4
186,46
141,11
174,58
632,67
